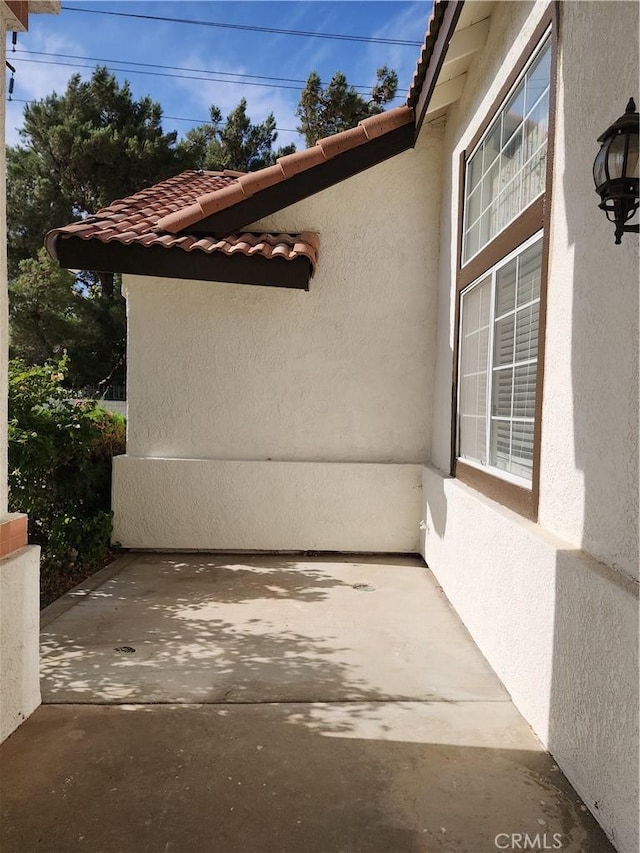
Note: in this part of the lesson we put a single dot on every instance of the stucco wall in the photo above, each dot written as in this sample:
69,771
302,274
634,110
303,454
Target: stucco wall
267,506
341,374
19,638
559,627
589,465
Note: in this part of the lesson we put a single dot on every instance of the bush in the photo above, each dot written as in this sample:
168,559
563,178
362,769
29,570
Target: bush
60,452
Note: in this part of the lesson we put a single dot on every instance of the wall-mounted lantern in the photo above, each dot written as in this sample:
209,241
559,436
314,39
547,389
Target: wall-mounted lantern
615,171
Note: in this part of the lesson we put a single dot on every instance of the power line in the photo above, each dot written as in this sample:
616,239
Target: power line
163,74
365,89
171,118
247,27
175,76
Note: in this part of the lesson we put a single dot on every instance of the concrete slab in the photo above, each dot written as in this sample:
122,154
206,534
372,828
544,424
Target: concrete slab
232,628
454,777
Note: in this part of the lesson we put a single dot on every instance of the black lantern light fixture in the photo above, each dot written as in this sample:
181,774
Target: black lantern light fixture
615,171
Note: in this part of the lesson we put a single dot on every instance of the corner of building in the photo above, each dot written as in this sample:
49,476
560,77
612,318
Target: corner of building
19,637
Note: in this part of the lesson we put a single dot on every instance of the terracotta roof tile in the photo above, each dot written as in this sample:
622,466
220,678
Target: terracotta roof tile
161,215
433,28
325,149
135,220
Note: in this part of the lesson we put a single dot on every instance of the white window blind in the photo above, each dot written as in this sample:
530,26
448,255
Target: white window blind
498,363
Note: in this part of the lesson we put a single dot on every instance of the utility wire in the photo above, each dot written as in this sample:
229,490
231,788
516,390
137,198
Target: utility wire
247,27
366,89
163,74
177,76
171,118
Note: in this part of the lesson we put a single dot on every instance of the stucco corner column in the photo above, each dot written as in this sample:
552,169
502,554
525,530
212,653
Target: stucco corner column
19,624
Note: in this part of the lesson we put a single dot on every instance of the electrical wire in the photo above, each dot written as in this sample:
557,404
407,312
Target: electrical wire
170,118
250,28
365,89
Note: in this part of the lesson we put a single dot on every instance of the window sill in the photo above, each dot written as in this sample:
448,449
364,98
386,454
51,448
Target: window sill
516,498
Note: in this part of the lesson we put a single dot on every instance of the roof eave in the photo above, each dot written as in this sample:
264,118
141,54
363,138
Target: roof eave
420,96
135,259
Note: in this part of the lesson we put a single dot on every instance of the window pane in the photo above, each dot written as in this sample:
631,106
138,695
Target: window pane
537,78
473,208
501,444
534,176
471,240
524,391
513,114
474,359
503,340
511,158
536,128
492,144
506,288
491,185
502,392
474,171
526,346
513,369
521,463
529,267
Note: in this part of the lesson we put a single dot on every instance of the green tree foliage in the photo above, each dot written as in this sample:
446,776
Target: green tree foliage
60,453
82,150
237,144
51,313
338,106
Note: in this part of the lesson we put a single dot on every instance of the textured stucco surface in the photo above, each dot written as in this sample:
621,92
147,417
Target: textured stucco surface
560,628
589,466
341,374
19,638
561,631
229,505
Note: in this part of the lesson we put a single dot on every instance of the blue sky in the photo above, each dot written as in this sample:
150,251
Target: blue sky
235,52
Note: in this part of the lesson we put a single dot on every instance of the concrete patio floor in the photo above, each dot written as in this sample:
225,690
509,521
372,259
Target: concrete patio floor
275,704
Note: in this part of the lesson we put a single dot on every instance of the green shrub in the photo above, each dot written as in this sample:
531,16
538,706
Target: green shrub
60,452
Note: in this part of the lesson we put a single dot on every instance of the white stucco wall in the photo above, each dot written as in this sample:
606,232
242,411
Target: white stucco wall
554,605
589,465
19,637
341,374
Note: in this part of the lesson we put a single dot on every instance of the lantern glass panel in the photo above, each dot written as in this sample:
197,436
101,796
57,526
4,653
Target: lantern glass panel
599,166
616,156
632,161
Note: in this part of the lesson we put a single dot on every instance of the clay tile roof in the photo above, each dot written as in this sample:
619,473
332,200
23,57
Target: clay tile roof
219,198
433,28
135,220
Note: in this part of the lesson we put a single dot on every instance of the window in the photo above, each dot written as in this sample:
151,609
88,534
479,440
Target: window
507,170
501,277
498,365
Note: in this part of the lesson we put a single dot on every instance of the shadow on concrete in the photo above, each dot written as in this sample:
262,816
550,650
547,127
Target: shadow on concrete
172,628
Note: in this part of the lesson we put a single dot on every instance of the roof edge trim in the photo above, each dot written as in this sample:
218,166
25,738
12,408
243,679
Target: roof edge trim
442,26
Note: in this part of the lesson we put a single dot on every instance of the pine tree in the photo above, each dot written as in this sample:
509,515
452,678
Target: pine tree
338,107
